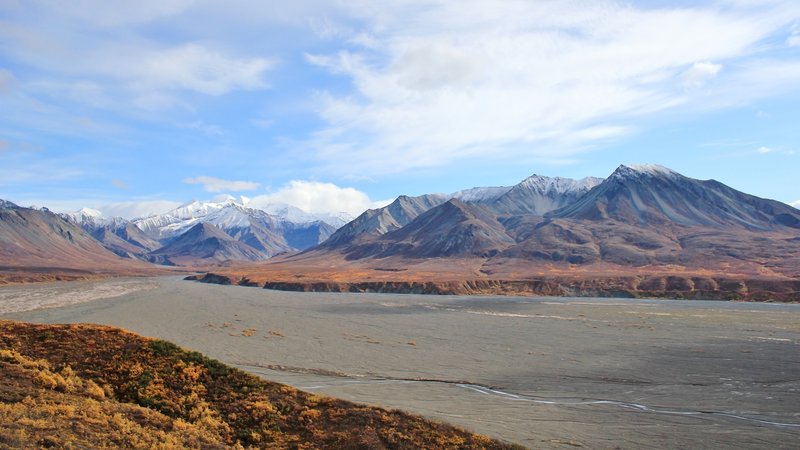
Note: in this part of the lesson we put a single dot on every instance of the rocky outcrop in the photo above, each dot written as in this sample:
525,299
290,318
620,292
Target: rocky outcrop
672,287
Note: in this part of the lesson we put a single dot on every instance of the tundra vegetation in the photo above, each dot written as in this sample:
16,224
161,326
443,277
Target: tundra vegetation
88,386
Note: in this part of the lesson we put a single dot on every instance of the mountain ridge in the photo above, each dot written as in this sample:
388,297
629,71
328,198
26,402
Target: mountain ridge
642,220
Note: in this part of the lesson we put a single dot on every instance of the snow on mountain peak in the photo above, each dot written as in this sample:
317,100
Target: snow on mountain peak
228,212
559,185
90,212
644,169
479,194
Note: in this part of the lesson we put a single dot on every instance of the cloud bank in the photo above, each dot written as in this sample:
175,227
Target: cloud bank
319,198
211,184
435,82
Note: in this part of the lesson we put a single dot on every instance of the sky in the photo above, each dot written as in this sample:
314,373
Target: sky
137,107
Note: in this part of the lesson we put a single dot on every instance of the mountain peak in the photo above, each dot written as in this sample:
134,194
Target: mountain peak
90,212
539,194
634,170
7,204
559,184
481,194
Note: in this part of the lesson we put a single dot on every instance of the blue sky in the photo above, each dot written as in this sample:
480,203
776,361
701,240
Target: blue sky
338,106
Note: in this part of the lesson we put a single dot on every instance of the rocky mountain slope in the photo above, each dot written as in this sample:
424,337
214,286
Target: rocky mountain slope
538,195
116,234
451,229
34,242
377,222
652,195
642,221
205,244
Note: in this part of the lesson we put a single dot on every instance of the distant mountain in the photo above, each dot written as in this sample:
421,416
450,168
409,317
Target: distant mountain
263,231
648,195
376,222
115,233
296,215
535,195
205,243
451,229
539,195
266,233
481,194
306,235
640,216
37,239
228,213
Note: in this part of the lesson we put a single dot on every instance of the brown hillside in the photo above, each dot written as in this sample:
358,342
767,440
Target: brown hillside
86,386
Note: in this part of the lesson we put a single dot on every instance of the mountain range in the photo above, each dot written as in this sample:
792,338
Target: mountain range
641,219
173,238
639,214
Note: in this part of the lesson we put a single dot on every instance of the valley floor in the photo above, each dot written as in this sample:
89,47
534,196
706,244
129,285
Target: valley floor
542,372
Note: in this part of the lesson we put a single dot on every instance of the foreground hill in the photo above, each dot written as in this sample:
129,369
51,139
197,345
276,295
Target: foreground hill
39,245
85,386
645,230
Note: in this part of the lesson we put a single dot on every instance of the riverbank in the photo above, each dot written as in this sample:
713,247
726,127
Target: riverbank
541,372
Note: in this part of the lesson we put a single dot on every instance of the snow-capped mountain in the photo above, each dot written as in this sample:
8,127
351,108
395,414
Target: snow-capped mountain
224,214
265,232
481,194
284,228
228,212
91,219
650,194
296,215
538,195
119,235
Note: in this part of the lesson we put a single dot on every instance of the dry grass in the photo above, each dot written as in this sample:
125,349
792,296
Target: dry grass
83,386
332,272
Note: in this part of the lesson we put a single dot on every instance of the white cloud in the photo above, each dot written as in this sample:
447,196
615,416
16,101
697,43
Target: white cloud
192,67
446,80
764,150
128,210
700,73
134,210
212,184
82,61
795,204
318,198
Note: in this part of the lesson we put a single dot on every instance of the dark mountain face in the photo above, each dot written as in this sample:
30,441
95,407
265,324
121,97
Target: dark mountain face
538,195
133,235
653,195
377,222
307,235
639,216
451,229
203,244
126,240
